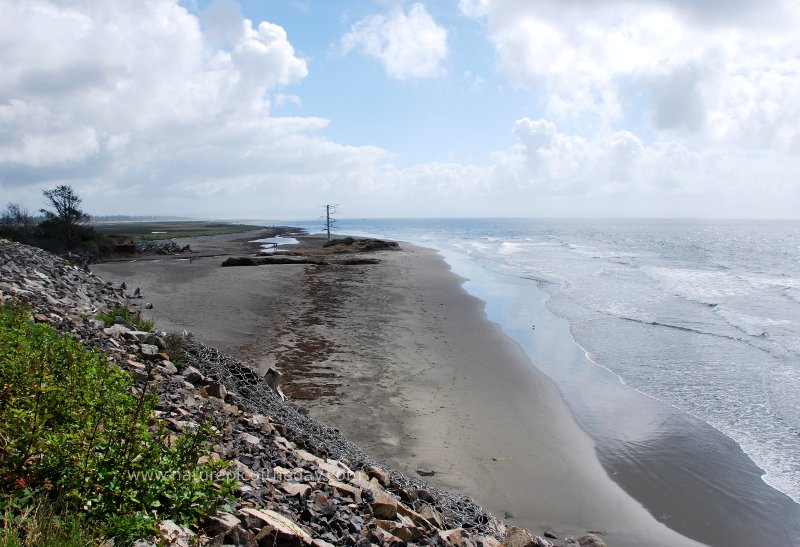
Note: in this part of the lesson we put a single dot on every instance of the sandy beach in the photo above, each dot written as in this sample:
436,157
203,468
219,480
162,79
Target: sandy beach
404,362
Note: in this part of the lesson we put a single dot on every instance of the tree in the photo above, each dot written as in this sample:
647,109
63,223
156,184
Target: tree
16,223
68,220
15,218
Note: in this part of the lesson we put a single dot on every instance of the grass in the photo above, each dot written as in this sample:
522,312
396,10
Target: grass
40,524
145,230
134,319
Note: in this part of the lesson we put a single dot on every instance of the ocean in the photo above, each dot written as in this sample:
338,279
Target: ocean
675,343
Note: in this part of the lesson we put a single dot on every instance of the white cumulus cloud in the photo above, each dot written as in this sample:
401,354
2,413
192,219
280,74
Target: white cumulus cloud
719,72
410,46
132,98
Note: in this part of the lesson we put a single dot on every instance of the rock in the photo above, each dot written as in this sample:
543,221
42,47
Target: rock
174,534
240,537
303,491
215,389
376,472
384,506
120,321
345,489
402,531
192,375
334,470
548,533
281,528
591,540
517,537
114,330
452,537
380,536
155,341
425,472
169,367
273,378
417,519
250,439
149,352
221,523
429,514
424,495
148,306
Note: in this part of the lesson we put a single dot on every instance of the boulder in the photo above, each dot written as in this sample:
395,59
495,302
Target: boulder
192,375
376,472
453,537
302,491
250,439
591,540
155,341
215,389
273,378
240,537
169,367
404,531
282,529
221,523
517,537
175,534
429,514
149,352
417,519
345,489
384,506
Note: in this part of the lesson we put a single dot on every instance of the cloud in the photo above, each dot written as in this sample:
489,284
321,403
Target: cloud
133,98
223,21
704,70
410,46
618,165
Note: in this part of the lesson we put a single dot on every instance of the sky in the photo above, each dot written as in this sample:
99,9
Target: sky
269,109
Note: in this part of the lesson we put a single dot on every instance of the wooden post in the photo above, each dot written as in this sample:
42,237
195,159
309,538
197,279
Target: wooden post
328,220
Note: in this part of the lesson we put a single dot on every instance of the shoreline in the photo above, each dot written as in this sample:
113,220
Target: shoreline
679,467
405,363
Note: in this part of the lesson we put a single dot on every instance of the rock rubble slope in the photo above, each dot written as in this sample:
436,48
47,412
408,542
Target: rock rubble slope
299,481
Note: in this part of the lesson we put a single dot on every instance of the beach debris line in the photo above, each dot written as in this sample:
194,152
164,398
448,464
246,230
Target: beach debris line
161,247
318,261
320,256
353,245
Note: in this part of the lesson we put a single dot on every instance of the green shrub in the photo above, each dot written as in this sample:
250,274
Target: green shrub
175,349
72,430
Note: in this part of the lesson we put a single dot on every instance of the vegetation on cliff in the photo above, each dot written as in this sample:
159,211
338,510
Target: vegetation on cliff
78,437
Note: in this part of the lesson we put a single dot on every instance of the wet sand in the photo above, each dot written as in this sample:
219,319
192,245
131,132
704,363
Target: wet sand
682,470
404,362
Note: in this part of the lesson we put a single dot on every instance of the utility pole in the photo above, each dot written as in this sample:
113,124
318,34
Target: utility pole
329,222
